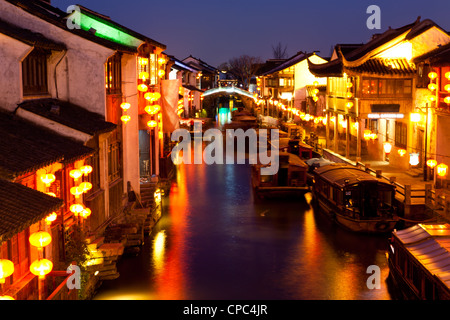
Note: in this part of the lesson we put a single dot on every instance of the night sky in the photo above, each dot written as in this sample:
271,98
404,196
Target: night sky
217,30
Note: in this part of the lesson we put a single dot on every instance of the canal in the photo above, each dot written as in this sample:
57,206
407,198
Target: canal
214,242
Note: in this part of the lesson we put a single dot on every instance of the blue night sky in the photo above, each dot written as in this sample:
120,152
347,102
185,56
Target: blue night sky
217,30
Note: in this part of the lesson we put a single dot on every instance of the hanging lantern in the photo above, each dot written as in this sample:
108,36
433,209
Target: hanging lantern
447,87
6,269
349,95
441,170
432,86
85,186
125,118
387,146
143,61
161,61
86,170
75,174
315,99
431,163
401,152
76,191
48,179
76,208
349,104
432,75
414,117
315,83
152,110
367,134
447,75
144,76
40,239
349,84
142,87
447,99
324,121
85,213
51,217
161,73
41,268
125,105
414,159
373,136
431,98
152,123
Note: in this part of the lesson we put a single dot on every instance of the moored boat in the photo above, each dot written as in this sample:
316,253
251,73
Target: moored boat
354,198
419,262
289,180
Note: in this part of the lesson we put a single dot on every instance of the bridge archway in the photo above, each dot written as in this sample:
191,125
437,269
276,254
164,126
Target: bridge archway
221,97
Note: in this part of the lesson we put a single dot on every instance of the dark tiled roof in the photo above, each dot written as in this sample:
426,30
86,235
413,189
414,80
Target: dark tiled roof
200,64
25,147
29,37
69,114
438,57
330,69
21,207
384,66
300,56
268,65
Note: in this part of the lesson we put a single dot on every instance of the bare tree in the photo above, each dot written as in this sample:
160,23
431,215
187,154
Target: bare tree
243,68
279,52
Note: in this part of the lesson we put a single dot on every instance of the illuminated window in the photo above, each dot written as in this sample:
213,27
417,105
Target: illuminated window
373,87
401,138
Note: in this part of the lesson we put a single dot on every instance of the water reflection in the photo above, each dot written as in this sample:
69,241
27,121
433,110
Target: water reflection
214,242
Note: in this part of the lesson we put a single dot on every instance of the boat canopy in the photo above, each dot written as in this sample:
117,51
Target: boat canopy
319,162
341,175
430,245
293,159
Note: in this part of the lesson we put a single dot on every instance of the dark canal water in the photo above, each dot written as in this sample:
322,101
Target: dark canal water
214,242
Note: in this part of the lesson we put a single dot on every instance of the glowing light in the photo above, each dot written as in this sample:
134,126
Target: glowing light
414,159
51,217
432,75
76,191
349,84
387,147
401,152
6,269
152,109
349,95
349,104
85,186
41,267
51,194
161,73
447,75
432,86
144,76
447,99
75,174
431,163
6,298
143,61
315,99
152,123
447,87
85,213
414,117
442,170
431,98
367,134
48,179
161,61
86,170
125,105
76,209
142,87
40,239
125,118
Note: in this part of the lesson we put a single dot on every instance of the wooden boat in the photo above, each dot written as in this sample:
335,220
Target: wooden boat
290,179
354,198
419,262
313,164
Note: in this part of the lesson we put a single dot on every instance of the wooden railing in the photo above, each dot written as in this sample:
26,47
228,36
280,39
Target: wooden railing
60,290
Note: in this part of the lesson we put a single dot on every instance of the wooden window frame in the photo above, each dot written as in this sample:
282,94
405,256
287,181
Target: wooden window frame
34,73
401,134
113,74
